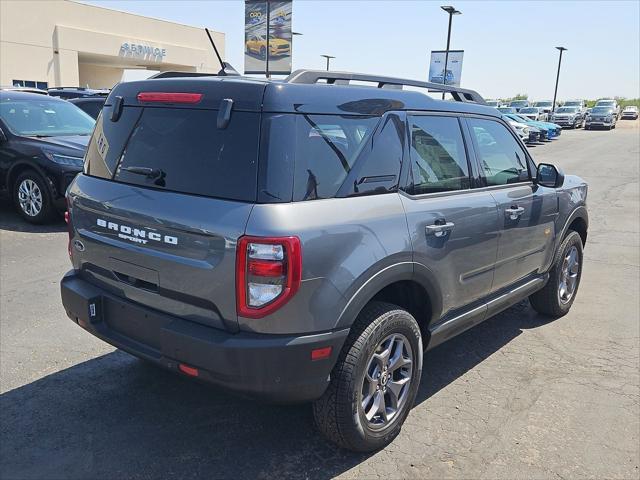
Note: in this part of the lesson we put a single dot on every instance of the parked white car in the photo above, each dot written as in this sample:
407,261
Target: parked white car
525,132
545,105
630,112
534,113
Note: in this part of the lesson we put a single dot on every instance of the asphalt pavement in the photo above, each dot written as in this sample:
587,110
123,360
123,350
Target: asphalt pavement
518,396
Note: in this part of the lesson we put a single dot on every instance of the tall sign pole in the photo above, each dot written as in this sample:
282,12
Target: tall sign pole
555,93
451,11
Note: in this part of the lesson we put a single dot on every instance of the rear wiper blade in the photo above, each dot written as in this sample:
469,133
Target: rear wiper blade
146,171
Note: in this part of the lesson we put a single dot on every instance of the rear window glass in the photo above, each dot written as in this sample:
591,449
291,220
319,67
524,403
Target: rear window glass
181,150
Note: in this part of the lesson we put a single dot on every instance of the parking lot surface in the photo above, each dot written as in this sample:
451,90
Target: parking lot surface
518,396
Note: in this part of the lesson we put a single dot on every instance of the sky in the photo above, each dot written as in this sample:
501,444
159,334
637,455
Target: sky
509,45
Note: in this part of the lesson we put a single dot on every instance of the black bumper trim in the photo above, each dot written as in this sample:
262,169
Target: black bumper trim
275,368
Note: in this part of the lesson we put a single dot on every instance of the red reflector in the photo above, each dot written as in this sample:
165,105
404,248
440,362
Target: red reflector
266,268
321,353
191,371
66,217
169,97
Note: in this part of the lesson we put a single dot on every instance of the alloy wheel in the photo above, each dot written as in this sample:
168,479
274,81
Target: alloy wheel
30,197
569,275
387,380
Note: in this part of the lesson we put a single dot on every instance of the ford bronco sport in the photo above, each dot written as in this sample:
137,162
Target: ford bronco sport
307,239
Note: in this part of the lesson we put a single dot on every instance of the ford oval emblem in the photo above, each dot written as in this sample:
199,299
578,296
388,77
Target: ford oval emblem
78,245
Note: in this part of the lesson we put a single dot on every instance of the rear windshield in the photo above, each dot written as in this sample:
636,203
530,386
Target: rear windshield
178,149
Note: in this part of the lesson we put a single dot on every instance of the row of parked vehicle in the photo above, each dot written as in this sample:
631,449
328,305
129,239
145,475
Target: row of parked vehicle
570,114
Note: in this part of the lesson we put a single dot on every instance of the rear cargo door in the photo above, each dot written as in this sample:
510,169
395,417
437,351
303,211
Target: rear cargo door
164,197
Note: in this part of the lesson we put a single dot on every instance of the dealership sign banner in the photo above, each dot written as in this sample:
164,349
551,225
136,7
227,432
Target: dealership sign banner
453,72
259,57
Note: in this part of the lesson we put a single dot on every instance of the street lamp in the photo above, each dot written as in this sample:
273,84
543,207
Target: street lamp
328,57
451,11
555,93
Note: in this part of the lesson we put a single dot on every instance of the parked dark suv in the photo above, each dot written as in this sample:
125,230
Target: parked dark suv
308,239
92,106
42,145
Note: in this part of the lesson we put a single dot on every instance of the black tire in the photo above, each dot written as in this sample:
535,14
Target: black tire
338,414
547,301
46,210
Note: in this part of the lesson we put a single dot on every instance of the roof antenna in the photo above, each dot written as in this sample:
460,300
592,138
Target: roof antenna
226,69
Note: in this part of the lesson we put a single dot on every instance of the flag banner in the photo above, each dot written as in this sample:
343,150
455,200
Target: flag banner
259,57
451,76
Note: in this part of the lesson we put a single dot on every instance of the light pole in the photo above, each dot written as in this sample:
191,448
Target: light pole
451,11
328,57
555,93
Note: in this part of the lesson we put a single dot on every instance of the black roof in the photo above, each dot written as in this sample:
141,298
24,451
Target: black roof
253,94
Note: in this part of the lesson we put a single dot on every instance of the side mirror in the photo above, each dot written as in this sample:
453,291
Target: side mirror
3,137
549,175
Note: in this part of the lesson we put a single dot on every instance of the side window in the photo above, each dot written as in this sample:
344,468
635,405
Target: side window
326,148
438,157
378,167
502,158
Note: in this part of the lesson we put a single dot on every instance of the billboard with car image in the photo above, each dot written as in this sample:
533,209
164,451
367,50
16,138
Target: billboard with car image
274,58
451,76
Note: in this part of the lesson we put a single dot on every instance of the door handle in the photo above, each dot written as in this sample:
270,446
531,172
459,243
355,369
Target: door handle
514,212
439,229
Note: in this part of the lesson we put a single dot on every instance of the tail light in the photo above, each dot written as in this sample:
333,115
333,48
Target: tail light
268,274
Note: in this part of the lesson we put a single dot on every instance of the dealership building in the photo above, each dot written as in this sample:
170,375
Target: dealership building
61,43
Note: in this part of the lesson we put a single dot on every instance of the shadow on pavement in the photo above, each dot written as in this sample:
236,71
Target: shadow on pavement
115,416
10,220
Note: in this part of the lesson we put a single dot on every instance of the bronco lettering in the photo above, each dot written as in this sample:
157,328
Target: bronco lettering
135,234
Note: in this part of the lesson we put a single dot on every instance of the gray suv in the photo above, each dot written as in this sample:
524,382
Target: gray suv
308,239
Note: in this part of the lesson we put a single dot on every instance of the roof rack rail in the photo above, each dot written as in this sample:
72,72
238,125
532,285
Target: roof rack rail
343,78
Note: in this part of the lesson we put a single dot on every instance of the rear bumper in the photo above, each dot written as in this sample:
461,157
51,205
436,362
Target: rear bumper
274,368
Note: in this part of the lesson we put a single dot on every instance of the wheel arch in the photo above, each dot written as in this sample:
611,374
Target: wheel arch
409,285
578,221
20,167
